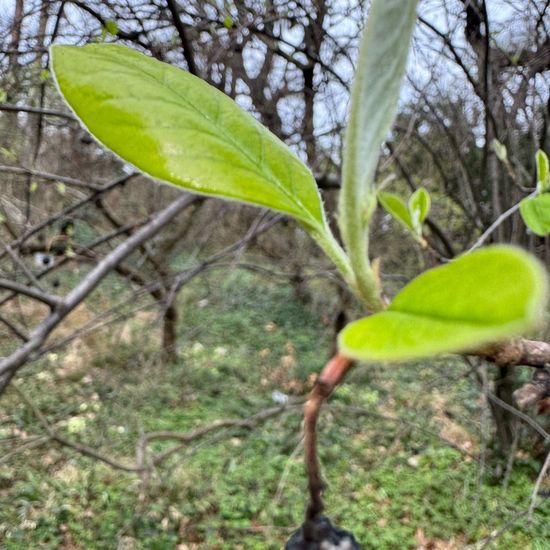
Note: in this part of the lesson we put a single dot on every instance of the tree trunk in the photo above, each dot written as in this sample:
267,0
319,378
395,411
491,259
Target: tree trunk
504,420
16,34
170,334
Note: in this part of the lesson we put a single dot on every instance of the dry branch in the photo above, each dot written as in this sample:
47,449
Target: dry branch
519,351
9,365
142,464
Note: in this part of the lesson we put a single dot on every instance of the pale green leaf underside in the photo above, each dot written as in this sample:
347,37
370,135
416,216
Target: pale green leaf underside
374,96
177,128
375,91
535,212
419,204
479,298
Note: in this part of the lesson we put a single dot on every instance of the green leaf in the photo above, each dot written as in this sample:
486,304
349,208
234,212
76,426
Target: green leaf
419,206
395,206
177,128
500,150
543,173
482,297
111,27
535,212
375,92
8,153
61,188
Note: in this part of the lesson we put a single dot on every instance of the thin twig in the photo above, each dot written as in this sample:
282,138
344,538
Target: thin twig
31,292
18,261
19,333
185,438
29,444
71,182
331,376
535,425
142,465
538,483
10,364
286,471
35,110
70,209
505,527
82,449
504,216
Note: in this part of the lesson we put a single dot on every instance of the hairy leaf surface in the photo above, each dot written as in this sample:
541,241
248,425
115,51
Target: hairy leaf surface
375,92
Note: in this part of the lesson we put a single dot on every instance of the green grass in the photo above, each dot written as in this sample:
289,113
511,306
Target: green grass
388,471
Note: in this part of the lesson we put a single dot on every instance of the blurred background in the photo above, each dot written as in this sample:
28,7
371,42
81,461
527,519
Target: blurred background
164,410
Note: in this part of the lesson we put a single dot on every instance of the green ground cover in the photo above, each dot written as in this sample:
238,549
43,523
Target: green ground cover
396,442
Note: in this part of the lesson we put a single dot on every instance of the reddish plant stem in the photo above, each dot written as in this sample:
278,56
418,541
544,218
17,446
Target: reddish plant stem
330,377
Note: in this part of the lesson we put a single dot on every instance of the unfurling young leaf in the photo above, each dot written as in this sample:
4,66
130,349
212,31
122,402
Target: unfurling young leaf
500,150
482,297
179,129
111,27
543,172
411,215
535,212
419,206
395,206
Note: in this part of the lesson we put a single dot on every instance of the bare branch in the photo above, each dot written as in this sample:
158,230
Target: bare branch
182,32
72,182
519,351
36,294
536,489
9,365
35,110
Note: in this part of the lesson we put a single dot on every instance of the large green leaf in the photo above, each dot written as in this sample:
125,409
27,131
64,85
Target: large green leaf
375,90
535,212
177,128
374,96
490,294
